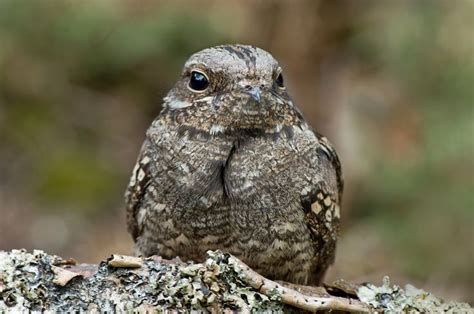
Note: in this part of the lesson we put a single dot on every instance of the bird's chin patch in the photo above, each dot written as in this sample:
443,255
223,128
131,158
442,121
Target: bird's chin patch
260,118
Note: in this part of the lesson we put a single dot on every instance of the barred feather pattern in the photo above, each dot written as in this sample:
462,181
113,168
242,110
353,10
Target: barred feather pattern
219,170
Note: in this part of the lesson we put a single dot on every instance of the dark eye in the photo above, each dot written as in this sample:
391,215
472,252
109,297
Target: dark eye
279,81
198,81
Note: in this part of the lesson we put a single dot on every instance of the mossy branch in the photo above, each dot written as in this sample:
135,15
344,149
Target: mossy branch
38,281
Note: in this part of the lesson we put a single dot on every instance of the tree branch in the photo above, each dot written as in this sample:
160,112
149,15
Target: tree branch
38,282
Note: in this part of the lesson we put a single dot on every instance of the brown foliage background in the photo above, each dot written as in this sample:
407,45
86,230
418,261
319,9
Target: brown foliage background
390,83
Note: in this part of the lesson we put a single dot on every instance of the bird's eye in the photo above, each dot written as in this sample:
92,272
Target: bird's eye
279,81
198,81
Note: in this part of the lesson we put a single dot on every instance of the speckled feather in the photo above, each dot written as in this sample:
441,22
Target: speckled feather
221,170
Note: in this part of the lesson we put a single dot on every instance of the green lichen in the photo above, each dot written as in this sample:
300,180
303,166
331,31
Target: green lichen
26,283
394,299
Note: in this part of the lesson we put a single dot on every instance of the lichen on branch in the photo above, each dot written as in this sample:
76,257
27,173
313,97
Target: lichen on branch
38,281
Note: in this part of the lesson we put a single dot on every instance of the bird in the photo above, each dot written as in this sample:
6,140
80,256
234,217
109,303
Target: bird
230,164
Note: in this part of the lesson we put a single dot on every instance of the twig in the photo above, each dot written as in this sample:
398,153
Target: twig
294,298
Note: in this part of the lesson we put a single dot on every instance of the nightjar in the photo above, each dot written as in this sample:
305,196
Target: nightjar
230,164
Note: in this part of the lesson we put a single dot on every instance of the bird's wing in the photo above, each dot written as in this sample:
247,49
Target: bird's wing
136,189
322,203
333,161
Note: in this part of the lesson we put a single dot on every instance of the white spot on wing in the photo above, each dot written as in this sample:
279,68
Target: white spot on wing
337,212
133,179
327,201
316,207
216,128
141,216
328,215
141,175
145,160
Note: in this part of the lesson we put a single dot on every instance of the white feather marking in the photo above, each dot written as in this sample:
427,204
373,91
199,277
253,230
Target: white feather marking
141,175
216,128
178,104
145,160
207,99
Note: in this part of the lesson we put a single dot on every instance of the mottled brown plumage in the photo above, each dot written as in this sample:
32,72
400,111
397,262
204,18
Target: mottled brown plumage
234,166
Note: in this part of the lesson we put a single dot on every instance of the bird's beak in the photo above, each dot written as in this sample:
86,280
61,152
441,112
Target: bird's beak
255,93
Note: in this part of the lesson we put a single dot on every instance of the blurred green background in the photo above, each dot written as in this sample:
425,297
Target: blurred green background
391,83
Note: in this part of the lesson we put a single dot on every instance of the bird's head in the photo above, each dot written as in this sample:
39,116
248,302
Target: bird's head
231,88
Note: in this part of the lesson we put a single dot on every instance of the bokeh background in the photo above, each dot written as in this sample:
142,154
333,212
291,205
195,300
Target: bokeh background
391,83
